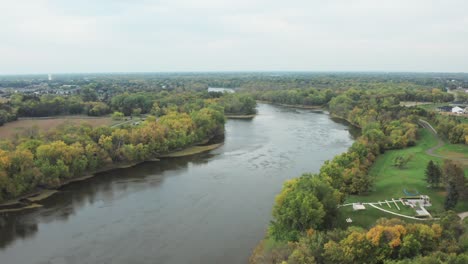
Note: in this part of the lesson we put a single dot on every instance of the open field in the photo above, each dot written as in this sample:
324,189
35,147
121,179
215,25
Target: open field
431,106
24,126
390,181
367,218
414,103
453,151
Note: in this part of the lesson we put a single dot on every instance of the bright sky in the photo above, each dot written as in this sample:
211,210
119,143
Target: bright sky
55,36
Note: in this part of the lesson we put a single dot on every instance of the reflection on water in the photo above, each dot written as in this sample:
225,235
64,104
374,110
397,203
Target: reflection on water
208,208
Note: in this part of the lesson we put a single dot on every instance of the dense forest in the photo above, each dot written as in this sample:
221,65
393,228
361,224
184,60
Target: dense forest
128,103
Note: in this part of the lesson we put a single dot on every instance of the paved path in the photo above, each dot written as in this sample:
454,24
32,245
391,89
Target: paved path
463,215
440,142
402,215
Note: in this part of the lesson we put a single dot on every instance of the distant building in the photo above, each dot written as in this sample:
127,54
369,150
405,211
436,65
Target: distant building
457,110
50,77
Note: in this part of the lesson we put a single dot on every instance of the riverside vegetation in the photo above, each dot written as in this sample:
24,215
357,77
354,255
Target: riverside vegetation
173,121
306,225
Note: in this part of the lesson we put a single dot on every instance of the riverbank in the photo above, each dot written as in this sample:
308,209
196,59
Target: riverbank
313,107
240,116
29,201
191,151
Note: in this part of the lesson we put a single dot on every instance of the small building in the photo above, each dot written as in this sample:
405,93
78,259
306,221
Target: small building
457,110
358,206
421,201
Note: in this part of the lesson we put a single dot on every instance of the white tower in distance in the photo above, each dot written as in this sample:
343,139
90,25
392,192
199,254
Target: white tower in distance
50,77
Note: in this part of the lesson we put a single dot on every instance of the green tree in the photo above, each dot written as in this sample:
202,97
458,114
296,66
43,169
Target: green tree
451,199
455,176
117,116
433,174
401,161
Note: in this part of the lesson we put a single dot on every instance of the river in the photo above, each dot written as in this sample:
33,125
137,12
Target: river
209,208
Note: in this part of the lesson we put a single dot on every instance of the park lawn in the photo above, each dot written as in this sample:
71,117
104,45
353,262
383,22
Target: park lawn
391,181
453,151
367,218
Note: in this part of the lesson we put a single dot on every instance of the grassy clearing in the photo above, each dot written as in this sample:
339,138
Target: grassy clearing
453,151
432,106
414,103
25,126
390,182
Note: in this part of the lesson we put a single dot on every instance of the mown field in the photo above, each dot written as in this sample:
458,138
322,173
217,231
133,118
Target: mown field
453,151
26,126
390,181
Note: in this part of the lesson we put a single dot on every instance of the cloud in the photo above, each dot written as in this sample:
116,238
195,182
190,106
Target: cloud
144,35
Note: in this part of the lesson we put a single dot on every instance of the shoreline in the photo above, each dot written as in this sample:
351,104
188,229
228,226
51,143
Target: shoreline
193,150
240,116
312,107
345,120
29,201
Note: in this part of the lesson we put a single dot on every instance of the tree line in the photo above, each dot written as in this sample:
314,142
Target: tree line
391,241
127,103
46,160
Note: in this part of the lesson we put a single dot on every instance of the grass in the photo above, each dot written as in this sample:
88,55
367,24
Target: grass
414,103
432,106
453,151
390,181
25,126
367,218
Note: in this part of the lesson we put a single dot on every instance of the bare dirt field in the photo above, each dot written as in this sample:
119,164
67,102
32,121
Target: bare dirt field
23,126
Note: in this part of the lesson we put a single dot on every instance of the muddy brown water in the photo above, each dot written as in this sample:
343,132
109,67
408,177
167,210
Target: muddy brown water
209,208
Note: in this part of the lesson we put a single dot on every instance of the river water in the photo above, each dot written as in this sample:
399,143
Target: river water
209,208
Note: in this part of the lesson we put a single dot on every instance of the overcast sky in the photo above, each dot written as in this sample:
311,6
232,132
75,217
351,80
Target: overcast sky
56,36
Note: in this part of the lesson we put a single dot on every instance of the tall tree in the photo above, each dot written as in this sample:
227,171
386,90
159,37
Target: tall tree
433,174
451,199
454,174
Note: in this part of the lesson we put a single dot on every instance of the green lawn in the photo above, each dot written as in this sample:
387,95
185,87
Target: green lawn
390,181
367,218
453,151
432,106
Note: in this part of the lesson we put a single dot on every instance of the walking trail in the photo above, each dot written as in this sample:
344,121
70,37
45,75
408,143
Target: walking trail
440,143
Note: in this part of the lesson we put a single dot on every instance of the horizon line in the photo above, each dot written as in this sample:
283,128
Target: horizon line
233,71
